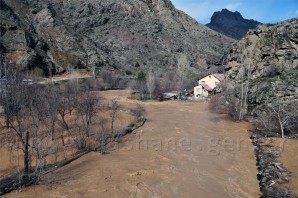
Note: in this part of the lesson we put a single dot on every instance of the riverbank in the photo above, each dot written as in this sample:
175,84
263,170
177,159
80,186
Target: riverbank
277,165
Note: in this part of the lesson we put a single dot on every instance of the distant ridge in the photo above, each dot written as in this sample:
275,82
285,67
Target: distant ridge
231,24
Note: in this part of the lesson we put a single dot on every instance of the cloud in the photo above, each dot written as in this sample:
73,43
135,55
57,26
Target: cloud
296,12
232,6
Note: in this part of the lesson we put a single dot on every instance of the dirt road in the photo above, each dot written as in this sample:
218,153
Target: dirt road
182,151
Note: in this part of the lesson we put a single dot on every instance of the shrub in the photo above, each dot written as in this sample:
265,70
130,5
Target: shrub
138,111
128,72
267,40
233,109
137,64
217,104
141,76
78,64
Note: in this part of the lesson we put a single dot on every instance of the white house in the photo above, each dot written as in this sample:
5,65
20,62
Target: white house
207,84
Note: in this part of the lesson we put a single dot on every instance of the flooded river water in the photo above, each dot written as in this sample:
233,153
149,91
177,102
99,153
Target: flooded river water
183,150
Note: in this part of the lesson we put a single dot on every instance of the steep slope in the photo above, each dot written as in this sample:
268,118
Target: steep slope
266,61
231,24
118,34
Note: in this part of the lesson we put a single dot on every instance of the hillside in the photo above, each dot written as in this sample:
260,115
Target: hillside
231,24
265,61
111,34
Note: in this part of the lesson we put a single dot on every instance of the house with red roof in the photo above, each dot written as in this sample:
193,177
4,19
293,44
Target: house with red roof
207,84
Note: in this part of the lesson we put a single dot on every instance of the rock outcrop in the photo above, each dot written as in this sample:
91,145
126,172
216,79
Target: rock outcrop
109,34
231,24
265,62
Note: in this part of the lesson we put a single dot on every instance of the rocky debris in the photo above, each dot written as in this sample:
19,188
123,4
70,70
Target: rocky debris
110,34
231,24
16,181
266,61
272,174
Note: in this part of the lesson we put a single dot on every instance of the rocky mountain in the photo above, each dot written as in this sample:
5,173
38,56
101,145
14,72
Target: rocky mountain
231,24
118,35
265,62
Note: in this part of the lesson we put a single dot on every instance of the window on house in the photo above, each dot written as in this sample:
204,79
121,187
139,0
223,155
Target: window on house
203,82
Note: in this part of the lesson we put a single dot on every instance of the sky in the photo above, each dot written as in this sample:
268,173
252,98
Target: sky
265,11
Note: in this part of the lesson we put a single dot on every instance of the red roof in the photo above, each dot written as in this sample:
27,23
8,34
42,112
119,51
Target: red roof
207,87
219,77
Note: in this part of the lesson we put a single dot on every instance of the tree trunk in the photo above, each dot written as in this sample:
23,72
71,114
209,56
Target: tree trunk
7,122
62,138
282,132
26,154
281,127
62,114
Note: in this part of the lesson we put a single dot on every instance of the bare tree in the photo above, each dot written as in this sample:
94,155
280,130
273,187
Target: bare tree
230,101
52,108
102,135
138,111
9,75
279,115
24,106
79,136
244,82
35,118
111,79
284,114
115,107
265,121
70,92
66,103
63,111
216,103
16,105
139,84
87,108
151,84
182,66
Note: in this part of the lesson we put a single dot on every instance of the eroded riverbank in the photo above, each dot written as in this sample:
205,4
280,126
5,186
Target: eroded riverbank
182,151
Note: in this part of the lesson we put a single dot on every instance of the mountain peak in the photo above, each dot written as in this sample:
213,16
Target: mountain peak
231,24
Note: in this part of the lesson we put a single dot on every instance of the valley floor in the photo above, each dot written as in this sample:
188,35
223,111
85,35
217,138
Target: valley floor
183,150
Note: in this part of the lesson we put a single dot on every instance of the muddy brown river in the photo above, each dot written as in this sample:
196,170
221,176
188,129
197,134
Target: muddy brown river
183,150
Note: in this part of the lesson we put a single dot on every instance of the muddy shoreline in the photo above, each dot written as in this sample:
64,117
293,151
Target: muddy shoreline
272,173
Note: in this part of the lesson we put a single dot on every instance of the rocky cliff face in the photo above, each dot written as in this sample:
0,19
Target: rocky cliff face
109,34
266,62
231,24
